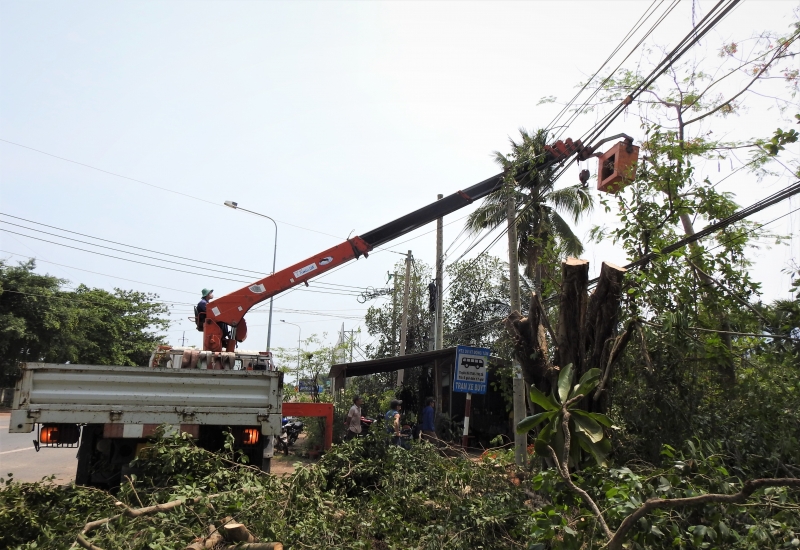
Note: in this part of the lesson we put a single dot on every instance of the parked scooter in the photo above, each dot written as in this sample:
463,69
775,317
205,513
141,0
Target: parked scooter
291,428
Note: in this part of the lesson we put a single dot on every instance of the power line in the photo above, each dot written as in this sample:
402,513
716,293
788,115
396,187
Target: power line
781,195
709,21
173,262
758,206
118,258
683,46
95,272
119,243
168,190
344,291
637,26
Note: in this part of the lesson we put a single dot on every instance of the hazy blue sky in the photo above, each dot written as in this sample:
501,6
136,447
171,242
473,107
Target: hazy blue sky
331,117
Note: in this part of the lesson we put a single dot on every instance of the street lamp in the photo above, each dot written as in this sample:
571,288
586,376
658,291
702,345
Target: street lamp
236,206
299,332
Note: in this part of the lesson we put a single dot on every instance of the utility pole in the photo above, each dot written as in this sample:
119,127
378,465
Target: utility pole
404,320
393,276
183,339
520,440
350,341
439,321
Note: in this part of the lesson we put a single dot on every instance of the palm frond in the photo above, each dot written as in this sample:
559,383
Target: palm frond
563,232
574,200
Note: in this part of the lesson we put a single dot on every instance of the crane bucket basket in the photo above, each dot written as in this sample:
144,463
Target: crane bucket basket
617,167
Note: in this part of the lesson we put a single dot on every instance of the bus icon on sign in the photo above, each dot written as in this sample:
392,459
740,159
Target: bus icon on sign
475,362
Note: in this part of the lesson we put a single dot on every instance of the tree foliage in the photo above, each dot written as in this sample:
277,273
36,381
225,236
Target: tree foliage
41,320
530,181
701,369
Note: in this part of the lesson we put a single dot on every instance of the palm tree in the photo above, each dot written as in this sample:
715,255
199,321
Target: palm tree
530,181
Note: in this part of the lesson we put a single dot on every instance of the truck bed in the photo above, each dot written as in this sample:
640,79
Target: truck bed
89,394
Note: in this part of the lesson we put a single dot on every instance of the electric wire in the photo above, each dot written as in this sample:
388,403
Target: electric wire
172,262
758,206
168,190
709,21
660,20
217,277
123,244
683,46
261,274
95,272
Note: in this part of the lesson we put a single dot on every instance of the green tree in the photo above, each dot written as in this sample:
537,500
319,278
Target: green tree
692,366
41,321
477,298
383,322
539,204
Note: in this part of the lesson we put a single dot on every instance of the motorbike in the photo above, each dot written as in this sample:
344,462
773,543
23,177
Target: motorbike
291,428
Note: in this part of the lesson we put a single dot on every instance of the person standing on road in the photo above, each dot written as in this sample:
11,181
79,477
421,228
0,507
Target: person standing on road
393,420
428,424
353,420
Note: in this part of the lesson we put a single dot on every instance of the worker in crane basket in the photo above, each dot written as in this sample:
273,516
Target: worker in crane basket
202,305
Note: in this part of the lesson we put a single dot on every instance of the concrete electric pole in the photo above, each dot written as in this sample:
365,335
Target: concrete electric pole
404,319
520,440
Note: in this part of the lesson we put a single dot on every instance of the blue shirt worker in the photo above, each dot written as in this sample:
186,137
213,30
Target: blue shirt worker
203,303
200,315
200,308
393,420
428,420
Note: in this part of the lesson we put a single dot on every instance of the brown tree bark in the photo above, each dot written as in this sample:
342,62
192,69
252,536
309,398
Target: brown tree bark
602,313
237,532
570,339
530,343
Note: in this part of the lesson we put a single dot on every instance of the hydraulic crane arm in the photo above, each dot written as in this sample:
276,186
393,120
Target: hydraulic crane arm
231,308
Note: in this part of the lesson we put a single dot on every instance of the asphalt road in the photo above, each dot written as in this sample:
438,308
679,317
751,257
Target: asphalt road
18,456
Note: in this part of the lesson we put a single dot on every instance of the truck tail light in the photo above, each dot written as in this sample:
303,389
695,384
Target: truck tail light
247,437
59,435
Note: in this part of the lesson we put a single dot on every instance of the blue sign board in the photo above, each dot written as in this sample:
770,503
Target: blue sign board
471,374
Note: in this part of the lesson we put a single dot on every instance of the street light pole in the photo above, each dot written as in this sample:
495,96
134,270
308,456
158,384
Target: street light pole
299,332
236,206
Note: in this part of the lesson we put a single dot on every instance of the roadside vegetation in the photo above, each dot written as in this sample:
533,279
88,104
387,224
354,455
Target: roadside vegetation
679,427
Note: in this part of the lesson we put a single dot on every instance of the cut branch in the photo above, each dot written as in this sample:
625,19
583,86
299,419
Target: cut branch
620,343
563,471
749,487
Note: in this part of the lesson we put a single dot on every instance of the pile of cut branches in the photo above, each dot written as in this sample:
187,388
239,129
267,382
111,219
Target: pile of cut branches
369,494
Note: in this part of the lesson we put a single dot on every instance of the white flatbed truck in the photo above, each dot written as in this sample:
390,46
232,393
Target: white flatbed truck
110,412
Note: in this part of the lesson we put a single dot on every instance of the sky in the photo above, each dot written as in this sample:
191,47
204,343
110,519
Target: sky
332,118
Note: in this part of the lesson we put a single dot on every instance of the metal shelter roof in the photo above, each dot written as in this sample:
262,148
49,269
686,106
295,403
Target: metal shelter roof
390,364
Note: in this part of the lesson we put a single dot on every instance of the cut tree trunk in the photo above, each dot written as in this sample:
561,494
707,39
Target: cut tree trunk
530,343
585,335
602,314
571,315
237,532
